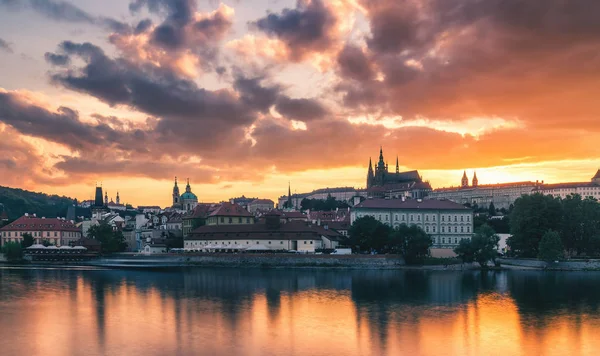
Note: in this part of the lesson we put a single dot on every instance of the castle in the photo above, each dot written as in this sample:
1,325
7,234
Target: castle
382,177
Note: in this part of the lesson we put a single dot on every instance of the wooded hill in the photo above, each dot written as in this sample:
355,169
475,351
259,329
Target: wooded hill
17,202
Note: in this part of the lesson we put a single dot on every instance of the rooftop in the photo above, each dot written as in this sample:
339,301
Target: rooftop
228,209
428,204
291,230
31,223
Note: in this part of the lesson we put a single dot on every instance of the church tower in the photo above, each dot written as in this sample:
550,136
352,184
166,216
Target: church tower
475,180
397,165
289,197
370,175
175,193
464,181
106,198
118,198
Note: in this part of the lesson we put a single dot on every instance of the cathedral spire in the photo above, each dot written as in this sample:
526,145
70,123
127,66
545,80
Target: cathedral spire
475,180
289,197
370,175
397,165
464,182
187,187
118,198
106,198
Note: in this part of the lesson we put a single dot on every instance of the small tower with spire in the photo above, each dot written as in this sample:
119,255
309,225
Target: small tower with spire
188,188
475,180
464,181
106,198
397,165
175,193
289,197
118,198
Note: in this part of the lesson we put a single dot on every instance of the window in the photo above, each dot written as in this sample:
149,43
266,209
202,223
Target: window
305,242
418,217
269,242
433,217
222,219
462,229
257,242
462,218
241,221
426,217
443,229
455,218
456,229
247,220
396,217
403,216
311,242
443,218
443,240
455,240
468,229
386,217
433,228
468,217
412,218
230,220
426,228
281,242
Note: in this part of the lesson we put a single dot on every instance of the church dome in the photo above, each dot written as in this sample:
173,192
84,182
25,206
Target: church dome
189,196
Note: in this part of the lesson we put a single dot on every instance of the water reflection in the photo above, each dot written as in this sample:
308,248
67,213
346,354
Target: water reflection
300,312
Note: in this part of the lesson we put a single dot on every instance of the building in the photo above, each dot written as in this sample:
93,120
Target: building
150,249
230,214
150,209
242,201
345,194
381,183
197,217
445,221
502,195
185,202
268,235
260,205
56,231
99,207
589,189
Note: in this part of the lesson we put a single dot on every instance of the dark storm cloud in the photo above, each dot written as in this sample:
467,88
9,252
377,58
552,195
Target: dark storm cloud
57,59
62,126
143,26
354,64
305,28
254,94
5,46
301,109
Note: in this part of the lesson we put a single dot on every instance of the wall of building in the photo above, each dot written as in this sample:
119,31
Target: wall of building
446,227
229,220
299,245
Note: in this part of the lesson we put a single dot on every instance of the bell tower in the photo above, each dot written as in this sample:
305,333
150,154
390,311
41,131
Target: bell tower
464,181
175,193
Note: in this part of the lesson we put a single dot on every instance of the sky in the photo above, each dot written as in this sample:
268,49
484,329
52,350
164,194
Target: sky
244,97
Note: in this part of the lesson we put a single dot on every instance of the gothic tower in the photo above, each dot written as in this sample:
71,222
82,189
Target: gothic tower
464,181
175,193
397,165
118,198
475,180
370,175
106,198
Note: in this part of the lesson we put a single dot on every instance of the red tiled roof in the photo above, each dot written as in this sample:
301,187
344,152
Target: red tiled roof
294,215
487,186
292,230
228,209
29,223
262,201
597,176
428,204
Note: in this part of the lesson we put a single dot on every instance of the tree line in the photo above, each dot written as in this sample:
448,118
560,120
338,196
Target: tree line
541,224
368,235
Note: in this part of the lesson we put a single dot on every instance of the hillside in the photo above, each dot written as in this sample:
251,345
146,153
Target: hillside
17,202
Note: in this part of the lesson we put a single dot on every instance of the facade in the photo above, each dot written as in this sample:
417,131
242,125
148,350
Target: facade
197,217
381,183
268,235
242,201
230,214
445,221
502,195
260,205
345,194
589,189
185,202
56,231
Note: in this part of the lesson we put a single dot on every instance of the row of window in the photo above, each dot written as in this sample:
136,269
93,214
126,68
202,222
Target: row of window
411,217
444,240
200,243
39,233
231,220
433,229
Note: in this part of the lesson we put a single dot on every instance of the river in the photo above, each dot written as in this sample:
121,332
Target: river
202,311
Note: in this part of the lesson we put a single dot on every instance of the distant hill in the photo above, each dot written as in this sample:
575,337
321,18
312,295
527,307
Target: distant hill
17,202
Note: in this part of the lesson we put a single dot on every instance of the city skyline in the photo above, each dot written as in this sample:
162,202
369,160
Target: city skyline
244,97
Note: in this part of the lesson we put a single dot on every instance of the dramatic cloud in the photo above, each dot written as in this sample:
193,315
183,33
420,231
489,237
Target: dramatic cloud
56,59
5,46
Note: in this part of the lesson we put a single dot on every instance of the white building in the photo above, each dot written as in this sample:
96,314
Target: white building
584,189
502,195
345,194
57,231
445,221
261,205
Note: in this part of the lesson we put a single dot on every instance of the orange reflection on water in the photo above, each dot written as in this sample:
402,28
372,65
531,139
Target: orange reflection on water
87,314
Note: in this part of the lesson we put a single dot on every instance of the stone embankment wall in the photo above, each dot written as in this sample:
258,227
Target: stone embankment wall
573,265
254,260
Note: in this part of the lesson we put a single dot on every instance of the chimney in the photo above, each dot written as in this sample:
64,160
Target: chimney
43,217
26,214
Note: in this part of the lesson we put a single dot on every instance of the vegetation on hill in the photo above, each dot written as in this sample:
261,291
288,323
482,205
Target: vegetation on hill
17,202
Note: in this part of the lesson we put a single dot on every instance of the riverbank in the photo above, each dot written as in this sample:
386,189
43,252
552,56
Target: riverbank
570,265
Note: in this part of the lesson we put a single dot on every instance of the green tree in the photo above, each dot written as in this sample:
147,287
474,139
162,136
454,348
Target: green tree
367,234
551,247
465,251
46,243
27,240
492,209
530,218
112,241
411,241
485,245
13,251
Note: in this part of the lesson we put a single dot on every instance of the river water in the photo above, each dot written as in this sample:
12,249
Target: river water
297,312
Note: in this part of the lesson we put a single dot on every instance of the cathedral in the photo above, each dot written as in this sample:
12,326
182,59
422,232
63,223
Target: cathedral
186,201
381,176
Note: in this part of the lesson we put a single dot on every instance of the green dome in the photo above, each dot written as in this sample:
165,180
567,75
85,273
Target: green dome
189,196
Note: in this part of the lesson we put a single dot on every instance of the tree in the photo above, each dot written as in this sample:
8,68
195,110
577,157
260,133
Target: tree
551,247
492,209
481,248
27,240
530,218
367,234
13,251
46,243
112,241
412,242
